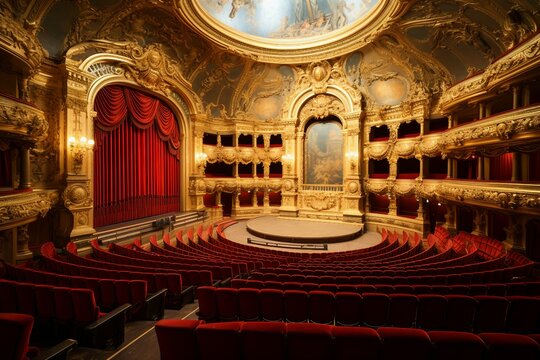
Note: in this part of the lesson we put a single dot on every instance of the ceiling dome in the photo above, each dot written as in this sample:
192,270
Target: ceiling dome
289,31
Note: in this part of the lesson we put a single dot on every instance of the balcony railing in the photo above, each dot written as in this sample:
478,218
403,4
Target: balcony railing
322,187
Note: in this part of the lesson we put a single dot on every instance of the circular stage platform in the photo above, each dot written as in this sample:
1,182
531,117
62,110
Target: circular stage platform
302,230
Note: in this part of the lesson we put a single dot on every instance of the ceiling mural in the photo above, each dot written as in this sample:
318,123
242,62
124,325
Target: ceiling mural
285,19
419,50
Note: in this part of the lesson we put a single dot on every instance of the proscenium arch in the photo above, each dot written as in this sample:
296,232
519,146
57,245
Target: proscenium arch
182,122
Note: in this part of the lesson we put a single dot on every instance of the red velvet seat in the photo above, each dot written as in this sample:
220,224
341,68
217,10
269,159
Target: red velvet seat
296,304
85,309
249,306
348,308
510,346
263,340
64,309
227,302
272,308
365,288
402,310
309,341
291,285
173,335
15,330
356,343
375,309
208,310
322,307
490,313
460,312
8,297
45,302
307,287
255,284
400,342
329,287
523,315
219,341
451,345
26,299
431,312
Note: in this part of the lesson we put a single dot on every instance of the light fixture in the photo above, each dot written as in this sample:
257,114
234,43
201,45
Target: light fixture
352,157
288,160
200,160
78,148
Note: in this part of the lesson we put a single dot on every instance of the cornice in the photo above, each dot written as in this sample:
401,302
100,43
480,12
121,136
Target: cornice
520,60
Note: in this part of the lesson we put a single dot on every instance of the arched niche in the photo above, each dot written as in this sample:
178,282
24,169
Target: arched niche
323,151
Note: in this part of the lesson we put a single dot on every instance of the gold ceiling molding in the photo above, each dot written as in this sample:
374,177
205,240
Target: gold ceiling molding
519,61
293,51
20,41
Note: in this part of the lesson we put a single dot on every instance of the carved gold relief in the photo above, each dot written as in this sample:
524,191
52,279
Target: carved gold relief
320,107
26,205
23,118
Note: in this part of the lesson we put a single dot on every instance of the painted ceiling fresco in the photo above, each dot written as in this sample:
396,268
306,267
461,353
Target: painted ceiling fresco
435,44
283,19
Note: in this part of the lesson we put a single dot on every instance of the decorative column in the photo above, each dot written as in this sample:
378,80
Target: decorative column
23,253
515,235
480,174
197,185
78,194
392,207
24,167
480,223
450,218
352,190
292,153
515,96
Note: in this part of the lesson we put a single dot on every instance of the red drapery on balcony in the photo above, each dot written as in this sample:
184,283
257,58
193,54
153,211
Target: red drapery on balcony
136,167
500,167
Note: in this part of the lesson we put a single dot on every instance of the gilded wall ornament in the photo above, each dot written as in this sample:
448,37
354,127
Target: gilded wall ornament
321,106
26,205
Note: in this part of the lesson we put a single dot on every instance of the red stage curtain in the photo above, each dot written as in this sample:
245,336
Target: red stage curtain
500,167
136,167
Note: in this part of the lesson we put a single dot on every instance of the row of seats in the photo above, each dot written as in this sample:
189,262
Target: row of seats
526,288
190,276
109,293
482,313
194,340
15,331
64,312
155,281
459,277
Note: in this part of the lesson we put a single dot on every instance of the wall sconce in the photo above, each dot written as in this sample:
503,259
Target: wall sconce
78,148
200,160
288,160
352,157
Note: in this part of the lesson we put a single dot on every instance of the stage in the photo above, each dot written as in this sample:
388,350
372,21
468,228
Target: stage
301,234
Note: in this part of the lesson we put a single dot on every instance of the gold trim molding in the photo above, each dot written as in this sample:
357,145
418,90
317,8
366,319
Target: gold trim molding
17,207
20,118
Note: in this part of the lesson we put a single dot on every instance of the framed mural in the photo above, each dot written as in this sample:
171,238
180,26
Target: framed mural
323,153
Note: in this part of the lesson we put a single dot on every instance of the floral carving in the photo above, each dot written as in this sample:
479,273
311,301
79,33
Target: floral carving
321,106
21,206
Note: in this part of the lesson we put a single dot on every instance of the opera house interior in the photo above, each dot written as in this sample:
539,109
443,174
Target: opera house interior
267,179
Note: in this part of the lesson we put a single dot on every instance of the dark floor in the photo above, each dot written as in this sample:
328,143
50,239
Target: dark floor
140,339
